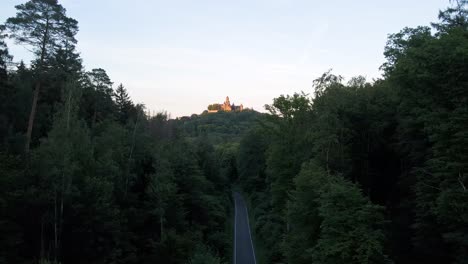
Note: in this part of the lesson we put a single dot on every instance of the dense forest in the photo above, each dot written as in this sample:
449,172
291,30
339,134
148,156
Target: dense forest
87,176
351,171
369,172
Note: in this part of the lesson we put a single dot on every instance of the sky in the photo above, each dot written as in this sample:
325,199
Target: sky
179,56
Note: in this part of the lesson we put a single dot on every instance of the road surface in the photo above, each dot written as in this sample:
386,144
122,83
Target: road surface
243,247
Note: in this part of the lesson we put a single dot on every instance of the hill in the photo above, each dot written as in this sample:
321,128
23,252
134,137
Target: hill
218,128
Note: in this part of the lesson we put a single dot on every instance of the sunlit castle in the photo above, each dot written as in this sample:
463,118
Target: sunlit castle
225,107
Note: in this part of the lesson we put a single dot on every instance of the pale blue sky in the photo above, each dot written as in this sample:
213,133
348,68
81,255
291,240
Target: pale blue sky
181,56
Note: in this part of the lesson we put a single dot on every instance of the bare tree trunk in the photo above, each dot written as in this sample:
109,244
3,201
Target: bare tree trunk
161,219
341,140
42,238
69,109
55,226
131,153
367,165
460,180
328,150
93,123
32,115
64,188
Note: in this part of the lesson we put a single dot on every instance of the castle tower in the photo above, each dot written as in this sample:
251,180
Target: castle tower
227,105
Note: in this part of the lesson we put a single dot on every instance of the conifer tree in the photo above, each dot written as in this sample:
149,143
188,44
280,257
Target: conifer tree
123,102
43,25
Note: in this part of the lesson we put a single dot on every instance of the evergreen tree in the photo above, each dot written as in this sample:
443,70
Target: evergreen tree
5,57
454,16
5,88
123,102
97,96
42,24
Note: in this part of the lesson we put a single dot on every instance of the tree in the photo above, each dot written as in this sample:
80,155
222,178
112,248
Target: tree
43,25
5,57
331,221
251,161
67,64
5,87
100,80
326,80
97,102
455,16
123,102
203,255
214,107
59,161
352,227
429,74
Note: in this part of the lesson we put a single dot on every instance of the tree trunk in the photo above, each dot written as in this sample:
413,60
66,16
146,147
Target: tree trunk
130,155
328,150
42,238
161,219
55,227
65,187
32,115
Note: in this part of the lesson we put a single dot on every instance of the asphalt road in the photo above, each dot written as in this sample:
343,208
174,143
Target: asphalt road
243,247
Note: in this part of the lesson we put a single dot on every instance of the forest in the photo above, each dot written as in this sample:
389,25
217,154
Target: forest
352,171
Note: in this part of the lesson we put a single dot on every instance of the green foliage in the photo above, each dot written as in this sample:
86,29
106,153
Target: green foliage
432,85
42,24
218,128
203,255
105,183
5,57
362,172
251,161
349,231
213,107
12,188
332,222
97,104
6,88
454,16
124,105
393,147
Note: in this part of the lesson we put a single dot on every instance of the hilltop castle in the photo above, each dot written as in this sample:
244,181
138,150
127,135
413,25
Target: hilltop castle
226,107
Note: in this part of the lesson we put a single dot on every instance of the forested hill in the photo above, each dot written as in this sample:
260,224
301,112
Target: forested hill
348,172
220,127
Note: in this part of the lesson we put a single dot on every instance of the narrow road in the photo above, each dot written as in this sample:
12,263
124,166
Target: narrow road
243,246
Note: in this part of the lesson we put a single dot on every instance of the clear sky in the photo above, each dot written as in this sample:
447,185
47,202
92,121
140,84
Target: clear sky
180,56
